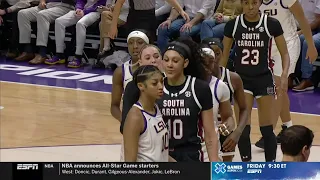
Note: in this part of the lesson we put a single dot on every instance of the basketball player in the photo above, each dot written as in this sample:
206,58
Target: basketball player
235,85
221,100
296,142
253,35
123,75
185,106
149,55
145,134
287,12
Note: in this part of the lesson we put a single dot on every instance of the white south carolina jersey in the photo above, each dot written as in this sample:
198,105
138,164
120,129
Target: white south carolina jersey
279,9
154,140
220,93
127,75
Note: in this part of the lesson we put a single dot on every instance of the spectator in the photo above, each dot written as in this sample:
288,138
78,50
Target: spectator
162,11
312,12
142,16
9,12
173,26
296,143
106,48
85,15
44,15
214,26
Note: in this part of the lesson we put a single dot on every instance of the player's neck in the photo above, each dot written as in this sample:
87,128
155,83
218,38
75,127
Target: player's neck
287,158
177,81
147,104
252,19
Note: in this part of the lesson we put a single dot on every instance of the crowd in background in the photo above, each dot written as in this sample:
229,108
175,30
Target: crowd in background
164,20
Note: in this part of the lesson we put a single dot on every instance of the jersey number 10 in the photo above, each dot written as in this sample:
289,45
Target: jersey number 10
175,128
246,57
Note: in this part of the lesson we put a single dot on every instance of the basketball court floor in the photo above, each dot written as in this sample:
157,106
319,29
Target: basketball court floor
51,113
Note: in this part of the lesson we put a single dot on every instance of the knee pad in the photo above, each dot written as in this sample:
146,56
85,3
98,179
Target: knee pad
267,131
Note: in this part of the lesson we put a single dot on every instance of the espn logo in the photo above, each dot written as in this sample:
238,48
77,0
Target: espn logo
27,166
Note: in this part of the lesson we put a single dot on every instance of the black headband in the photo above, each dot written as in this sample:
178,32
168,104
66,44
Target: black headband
212,41
181,48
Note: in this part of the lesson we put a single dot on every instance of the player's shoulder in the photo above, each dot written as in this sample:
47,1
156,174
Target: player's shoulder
199,83
272,20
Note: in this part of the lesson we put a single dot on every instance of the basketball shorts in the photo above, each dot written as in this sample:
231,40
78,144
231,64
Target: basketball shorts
294,48
181,155
258,86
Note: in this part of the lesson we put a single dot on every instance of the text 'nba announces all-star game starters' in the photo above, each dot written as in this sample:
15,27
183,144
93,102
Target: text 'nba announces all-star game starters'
114,169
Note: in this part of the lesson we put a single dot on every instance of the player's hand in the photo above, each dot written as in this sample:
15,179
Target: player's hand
312,54
231,142
283,85
113,33
79,13
226,127
165,24
186,27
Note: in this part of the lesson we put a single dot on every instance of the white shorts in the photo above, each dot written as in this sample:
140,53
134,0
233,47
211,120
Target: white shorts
294,48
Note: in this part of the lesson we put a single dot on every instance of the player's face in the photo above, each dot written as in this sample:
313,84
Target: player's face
217,52
174,64
210,64
153,86
251,7
150,56
134,46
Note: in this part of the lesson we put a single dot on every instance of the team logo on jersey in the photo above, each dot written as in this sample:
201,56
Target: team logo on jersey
187,93
261,29
251,29
174,94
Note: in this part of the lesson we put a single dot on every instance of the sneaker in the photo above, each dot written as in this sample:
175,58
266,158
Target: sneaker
260,143
55,60
305,85
280,134
103,54
99,65
75,63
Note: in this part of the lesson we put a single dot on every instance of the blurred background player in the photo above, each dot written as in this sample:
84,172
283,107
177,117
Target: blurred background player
287,12
123,75
252,34
296,142
185,106
145,134
235,86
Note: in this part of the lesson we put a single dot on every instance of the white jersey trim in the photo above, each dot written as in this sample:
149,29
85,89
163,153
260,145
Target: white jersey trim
244,24
194,92
235,26
266,25
229,80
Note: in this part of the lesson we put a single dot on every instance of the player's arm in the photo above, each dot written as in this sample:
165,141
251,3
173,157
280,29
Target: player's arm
298,13
203,93
239,98
227,42
133,127
277,32
117,89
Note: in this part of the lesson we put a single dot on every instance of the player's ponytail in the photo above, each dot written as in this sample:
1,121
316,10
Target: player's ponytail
195,67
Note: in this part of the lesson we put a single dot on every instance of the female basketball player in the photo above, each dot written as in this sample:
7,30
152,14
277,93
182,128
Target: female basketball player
145,134
288,12
123,75
149,55
253,35
235,85
185,106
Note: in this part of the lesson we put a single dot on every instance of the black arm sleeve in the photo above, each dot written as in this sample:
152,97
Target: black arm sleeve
228,29
130,96
203,93
274,27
